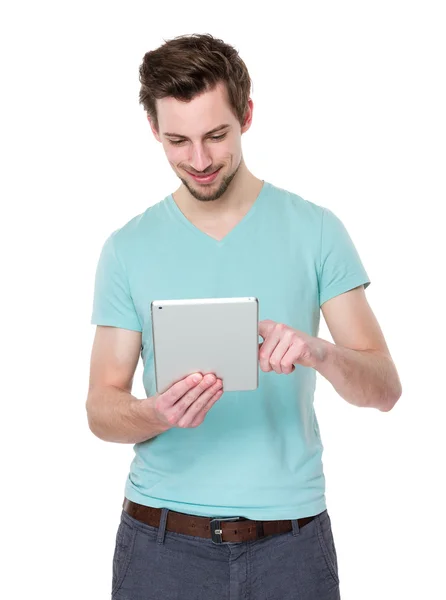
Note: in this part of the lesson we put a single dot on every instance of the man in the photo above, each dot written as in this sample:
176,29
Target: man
203,456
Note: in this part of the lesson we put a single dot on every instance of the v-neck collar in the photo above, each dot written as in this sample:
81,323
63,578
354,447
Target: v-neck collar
238,227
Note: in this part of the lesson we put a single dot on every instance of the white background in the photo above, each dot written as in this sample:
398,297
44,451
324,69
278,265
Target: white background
349,112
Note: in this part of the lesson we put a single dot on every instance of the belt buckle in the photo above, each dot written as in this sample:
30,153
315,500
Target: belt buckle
216,531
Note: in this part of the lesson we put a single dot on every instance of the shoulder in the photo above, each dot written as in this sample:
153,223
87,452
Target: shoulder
292,204
138,229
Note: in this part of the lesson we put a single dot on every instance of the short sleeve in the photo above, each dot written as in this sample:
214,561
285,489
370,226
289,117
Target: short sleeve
112,302
340,268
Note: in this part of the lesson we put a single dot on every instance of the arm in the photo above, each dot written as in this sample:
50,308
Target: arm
114,415
358,364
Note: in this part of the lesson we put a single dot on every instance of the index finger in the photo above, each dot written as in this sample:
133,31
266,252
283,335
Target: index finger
177,390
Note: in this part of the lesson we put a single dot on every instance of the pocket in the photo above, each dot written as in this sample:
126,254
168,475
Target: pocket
125,540
326,541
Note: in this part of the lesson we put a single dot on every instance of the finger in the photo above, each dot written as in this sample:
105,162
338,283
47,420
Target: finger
278,355
289,358
191,396
265,327
179,389
176,412
266,350
276,334
202,414
174,408
197,407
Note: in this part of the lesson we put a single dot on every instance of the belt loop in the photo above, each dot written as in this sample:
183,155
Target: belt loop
162,526
260,530
295,524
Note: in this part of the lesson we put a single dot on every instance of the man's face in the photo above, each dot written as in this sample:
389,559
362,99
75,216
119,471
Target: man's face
193,144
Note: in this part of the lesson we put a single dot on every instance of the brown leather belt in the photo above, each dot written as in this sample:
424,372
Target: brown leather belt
224,529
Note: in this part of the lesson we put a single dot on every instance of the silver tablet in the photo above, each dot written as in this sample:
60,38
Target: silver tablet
206,335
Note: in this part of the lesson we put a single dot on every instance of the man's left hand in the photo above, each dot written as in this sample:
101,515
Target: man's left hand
283,347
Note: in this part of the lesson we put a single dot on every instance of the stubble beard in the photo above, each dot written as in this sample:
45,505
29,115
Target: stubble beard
226,181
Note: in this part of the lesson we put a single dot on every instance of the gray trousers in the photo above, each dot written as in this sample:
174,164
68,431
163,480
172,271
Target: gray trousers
151,563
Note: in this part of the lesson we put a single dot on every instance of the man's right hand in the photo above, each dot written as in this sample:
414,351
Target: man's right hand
186,402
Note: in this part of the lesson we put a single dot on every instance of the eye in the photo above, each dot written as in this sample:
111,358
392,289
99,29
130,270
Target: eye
214,138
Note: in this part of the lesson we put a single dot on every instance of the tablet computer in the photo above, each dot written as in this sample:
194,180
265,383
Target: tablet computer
206,335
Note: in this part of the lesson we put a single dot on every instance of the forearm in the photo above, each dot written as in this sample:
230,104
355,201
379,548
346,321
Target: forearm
114,415
362,377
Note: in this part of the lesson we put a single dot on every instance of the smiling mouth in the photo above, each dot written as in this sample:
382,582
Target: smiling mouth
203,174
205,178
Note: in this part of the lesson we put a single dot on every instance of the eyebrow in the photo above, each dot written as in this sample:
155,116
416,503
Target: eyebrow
208,133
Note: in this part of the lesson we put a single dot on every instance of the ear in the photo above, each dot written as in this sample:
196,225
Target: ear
248,116
152,127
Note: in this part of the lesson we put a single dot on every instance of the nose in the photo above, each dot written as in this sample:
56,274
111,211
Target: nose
199,159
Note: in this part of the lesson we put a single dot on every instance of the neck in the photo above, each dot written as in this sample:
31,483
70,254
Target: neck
239,196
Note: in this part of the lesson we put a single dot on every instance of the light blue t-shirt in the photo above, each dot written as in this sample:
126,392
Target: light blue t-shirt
257,454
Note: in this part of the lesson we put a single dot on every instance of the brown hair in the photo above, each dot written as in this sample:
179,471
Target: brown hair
188,65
